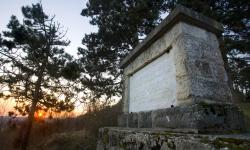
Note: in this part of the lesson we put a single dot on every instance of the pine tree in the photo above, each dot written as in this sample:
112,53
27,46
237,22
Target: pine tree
122,24
35,66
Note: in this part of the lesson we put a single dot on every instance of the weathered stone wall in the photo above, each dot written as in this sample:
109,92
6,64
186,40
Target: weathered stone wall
200,72
162,139
201,118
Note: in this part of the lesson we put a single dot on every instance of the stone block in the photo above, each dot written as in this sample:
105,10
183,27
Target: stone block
203,117
133,120
122,120
183,88
200,68
219,73
203,89
144,120
200,117
176,117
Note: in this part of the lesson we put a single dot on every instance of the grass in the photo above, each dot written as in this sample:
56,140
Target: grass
77,140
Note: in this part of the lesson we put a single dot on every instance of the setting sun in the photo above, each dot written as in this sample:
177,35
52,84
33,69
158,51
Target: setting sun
40,115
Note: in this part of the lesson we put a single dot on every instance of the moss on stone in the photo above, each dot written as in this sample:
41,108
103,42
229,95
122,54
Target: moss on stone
168,133
204,140
244,107
122,145
105,136
231,143
234,141
171,145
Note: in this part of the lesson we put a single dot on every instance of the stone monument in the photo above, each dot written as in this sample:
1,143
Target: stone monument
175,81
176,78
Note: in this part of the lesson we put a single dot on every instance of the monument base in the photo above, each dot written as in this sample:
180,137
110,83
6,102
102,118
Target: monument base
197,118
163,139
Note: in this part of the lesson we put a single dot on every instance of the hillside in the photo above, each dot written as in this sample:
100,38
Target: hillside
78,140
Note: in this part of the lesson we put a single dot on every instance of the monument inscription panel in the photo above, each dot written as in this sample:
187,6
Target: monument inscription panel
154,86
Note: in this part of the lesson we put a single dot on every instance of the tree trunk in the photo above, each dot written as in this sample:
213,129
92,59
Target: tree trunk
28,126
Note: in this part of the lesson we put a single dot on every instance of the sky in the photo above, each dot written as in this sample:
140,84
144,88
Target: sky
67,13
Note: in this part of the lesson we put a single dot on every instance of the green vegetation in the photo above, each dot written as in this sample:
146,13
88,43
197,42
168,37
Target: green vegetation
245,108
105,136
234,144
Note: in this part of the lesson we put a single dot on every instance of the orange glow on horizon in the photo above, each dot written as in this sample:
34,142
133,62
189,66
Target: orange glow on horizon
40,115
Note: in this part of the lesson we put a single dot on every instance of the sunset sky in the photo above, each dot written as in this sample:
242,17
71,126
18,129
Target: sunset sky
67,13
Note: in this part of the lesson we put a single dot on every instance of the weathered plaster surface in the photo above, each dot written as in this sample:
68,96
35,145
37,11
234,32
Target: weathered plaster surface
153,86
160,47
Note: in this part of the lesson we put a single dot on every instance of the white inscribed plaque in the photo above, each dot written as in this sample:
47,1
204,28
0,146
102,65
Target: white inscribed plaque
153,86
